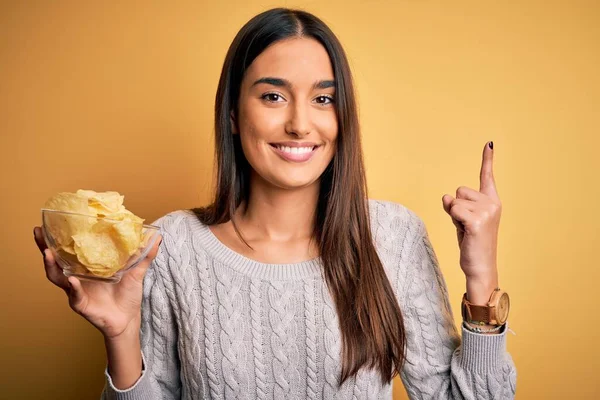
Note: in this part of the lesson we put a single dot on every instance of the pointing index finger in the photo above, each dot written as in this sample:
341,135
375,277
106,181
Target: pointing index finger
487,184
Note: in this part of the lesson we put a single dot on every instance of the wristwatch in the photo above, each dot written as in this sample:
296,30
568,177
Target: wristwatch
494,313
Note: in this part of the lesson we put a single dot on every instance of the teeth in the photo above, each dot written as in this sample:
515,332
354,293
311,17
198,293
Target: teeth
295,150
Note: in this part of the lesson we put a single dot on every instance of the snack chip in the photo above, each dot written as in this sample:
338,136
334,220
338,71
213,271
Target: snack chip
105,203
102,243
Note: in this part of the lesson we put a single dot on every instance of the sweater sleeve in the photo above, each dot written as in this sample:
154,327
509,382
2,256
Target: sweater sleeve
438,365
160,377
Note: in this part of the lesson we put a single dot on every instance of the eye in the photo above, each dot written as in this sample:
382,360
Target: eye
324,98
271,97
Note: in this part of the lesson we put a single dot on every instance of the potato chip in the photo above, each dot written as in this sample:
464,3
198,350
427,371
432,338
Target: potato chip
128,236
104,243
63,227
104,203
71,202
98,252
73,261
69,249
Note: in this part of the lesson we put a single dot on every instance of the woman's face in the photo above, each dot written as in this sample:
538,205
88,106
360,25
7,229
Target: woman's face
287,121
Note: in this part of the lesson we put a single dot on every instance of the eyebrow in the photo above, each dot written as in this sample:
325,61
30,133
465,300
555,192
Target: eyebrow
323,84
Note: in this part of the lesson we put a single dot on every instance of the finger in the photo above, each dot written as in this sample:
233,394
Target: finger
464,192
450,202
468,205
139,271
77,296
461,214
487,184
458,209
54,272
447,201
39,239
154,252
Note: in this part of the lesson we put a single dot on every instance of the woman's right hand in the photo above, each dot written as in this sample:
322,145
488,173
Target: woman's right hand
112,308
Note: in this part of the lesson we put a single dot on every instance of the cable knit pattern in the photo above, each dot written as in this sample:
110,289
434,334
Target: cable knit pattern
356,393
218,325
232,331
332,346
260,365
182,255
283,340
310,318
208,304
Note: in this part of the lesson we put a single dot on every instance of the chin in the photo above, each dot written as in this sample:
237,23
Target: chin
291,182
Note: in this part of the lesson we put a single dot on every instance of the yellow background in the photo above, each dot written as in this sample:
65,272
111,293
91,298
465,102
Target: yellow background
115,96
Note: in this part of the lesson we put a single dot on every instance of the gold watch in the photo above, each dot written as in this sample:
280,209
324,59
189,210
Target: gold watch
495,312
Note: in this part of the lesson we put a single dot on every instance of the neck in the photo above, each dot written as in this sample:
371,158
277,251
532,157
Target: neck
278,214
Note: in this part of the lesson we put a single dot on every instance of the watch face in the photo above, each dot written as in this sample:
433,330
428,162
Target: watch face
503,307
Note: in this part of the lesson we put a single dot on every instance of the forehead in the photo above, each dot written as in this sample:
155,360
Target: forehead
300,60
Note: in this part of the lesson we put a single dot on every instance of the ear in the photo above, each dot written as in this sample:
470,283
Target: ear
233,123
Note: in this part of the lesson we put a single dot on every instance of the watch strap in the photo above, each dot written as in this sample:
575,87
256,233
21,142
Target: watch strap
480,313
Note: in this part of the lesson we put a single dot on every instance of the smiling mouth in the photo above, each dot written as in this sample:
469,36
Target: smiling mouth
296,153
293,150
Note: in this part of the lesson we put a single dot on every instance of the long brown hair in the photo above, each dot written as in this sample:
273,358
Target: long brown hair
371,323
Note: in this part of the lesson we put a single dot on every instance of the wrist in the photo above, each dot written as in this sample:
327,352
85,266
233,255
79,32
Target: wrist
131,331
483,328
479,291
124,359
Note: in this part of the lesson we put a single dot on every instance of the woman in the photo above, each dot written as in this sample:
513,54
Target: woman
292,284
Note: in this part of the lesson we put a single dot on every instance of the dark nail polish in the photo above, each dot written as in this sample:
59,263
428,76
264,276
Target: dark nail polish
491,144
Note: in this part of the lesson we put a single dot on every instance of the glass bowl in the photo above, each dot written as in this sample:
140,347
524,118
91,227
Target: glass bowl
59,226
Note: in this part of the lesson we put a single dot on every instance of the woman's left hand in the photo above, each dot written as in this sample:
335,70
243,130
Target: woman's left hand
476,215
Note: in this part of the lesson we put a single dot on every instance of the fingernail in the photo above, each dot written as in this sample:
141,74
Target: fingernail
491,145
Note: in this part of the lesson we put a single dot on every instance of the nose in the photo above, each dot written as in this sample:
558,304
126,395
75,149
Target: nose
298,123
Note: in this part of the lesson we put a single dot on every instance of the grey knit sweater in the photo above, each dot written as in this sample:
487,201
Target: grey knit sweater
217,325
